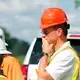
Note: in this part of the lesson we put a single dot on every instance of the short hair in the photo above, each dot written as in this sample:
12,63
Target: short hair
64,26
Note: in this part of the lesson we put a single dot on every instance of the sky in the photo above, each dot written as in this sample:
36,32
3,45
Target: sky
21,18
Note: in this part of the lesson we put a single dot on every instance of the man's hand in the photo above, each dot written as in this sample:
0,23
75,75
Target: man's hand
46,47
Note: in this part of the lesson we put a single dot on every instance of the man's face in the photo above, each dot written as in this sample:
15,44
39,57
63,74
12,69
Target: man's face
50,34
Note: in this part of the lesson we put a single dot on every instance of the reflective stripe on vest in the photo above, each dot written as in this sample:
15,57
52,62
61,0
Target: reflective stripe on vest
77,65
2,77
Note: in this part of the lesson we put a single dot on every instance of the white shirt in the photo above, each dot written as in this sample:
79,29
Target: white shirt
62,65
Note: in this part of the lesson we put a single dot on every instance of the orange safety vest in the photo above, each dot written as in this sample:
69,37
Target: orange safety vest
11,68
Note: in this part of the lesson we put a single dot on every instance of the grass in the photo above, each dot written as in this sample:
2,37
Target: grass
20,58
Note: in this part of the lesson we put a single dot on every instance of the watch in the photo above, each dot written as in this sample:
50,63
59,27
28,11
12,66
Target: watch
44,53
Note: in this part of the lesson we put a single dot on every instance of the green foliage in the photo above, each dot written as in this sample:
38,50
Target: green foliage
20,58
77,3
16,46
6,33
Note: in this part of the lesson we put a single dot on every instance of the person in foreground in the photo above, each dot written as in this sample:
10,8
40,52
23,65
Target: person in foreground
9,66
59,61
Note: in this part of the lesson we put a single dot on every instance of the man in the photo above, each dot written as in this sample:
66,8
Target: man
2,76
8,64
59,60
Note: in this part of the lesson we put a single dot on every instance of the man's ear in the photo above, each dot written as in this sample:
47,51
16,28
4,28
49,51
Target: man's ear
59,31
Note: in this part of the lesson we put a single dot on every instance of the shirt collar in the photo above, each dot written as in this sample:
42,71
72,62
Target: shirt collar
65,45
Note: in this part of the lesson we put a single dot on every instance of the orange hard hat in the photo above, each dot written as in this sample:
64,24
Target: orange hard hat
52,17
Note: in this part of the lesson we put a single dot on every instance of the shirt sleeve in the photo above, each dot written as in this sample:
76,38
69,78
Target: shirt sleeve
61,65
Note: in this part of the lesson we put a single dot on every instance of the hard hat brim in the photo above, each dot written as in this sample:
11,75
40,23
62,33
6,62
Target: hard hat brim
5,52
6,44
49,25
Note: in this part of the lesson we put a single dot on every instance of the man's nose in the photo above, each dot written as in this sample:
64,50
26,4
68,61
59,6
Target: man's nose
43,35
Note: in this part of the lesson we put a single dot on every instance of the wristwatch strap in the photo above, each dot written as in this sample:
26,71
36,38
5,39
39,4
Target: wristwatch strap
44,53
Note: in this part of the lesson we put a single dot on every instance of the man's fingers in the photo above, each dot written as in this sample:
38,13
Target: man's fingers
51,46
44,40
46,47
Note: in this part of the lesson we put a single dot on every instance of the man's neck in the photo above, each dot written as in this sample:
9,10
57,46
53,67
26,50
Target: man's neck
58,45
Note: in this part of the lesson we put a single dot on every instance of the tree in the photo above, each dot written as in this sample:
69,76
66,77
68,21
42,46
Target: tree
16,46
77,3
